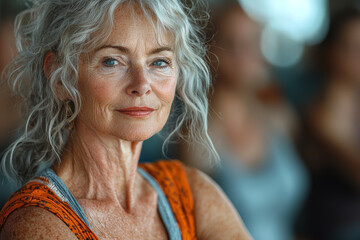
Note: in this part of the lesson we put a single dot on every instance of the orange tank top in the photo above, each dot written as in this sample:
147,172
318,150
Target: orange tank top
170,175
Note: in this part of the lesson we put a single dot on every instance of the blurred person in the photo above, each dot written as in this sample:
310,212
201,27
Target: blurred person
251,126
98,78
330,137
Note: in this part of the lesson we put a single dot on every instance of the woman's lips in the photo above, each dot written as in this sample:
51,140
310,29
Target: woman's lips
137,112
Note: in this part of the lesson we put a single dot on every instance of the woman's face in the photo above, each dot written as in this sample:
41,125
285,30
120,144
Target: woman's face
128,84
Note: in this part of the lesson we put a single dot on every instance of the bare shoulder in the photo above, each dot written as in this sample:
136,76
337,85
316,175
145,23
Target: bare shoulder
215,216
34,223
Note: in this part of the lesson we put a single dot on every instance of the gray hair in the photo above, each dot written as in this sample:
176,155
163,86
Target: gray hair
72,27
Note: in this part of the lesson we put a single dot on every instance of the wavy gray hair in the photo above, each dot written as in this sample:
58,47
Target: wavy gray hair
72,27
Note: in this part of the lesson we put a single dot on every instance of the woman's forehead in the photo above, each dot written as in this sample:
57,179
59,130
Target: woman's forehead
131,23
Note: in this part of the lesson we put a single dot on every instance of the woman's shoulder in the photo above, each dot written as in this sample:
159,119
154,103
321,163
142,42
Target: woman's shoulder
212,214
216,218
23,197
26,215
191,194
35,193
172,178
34,223
35,210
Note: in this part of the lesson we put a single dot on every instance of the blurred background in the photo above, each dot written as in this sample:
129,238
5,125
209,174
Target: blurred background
284,114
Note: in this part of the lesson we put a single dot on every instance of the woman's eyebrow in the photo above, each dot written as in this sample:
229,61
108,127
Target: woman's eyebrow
127,50
161,49
119,48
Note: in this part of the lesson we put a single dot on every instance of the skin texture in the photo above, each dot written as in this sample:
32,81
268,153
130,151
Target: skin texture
35,223
100,160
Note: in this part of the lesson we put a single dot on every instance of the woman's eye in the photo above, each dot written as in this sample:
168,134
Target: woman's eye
110,62
160,63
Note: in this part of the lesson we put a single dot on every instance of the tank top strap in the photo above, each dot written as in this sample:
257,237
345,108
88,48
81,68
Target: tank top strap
171,176
164,208
59,187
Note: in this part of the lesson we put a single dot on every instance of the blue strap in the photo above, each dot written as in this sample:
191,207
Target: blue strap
63,189
164,208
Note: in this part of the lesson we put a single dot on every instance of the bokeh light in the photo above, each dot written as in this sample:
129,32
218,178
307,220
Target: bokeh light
289,25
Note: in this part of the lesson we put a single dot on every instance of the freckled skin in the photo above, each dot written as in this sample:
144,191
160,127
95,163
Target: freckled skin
107,89
35,223
99,164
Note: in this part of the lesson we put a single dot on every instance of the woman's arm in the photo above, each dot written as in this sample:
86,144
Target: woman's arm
215,217
34,223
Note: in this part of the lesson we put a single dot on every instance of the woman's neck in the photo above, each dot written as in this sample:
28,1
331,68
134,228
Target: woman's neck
100,167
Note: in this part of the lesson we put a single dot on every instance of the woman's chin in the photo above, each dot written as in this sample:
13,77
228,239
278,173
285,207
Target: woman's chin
136,131
135,138
135,135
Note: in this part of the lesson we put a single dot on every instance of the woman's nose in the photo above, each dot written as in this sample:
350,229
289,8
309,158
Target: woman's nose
139,83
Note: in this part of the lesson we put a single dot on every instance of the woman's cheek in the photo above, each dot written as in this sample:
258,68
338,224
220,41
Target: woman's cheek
170,83
167,89
103,88
101,91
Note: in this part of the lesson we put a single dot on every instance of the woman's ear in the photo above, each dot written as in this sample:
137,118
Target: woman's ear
50,65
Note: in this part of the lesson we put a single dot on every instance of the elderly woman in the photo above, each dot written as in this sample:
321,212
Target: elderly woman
97,78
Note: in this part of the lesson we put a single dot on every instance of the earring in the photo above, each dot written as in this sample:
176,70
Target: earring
69,111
